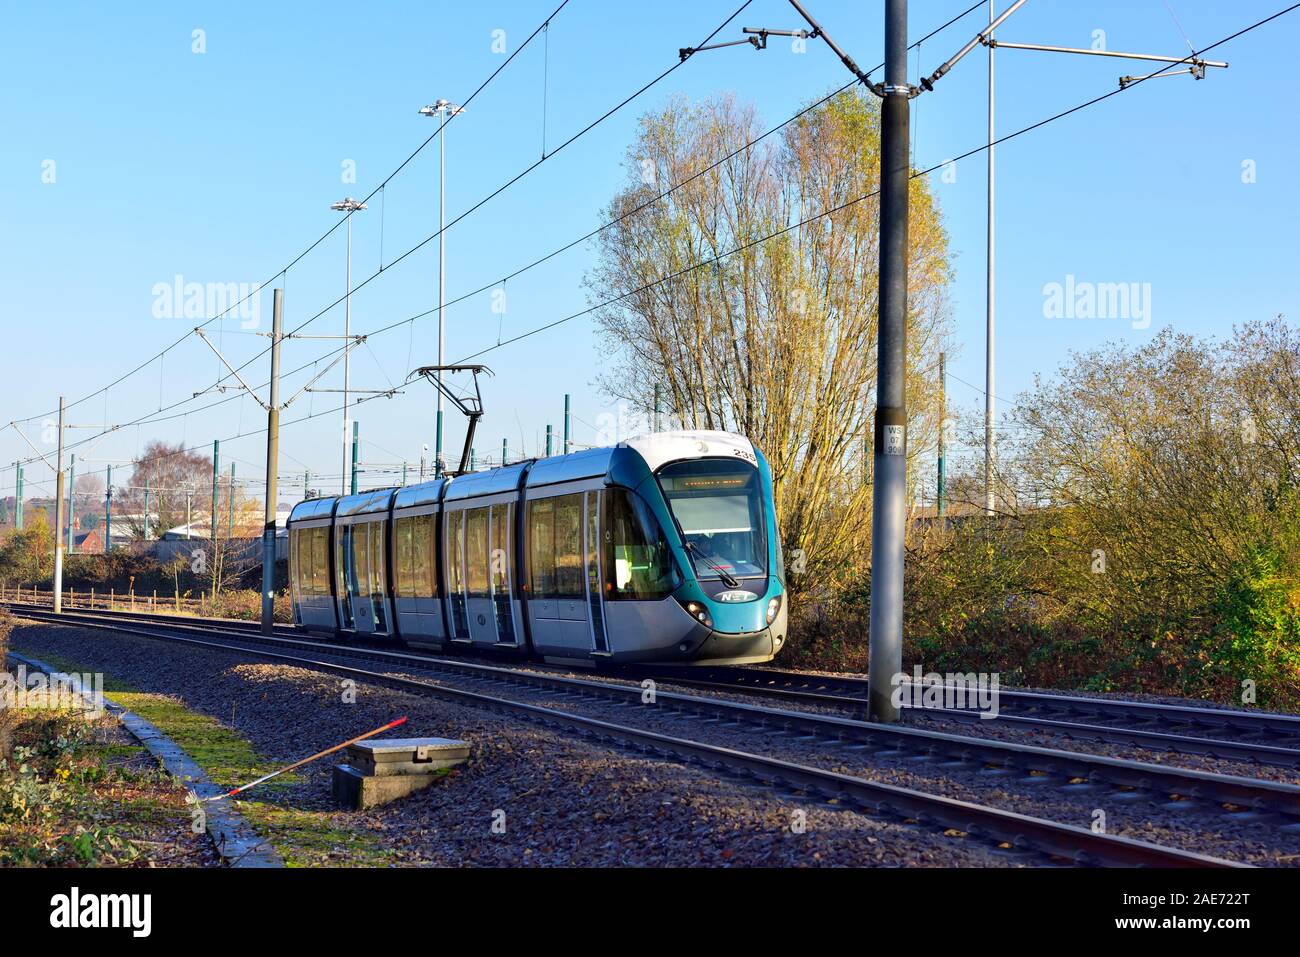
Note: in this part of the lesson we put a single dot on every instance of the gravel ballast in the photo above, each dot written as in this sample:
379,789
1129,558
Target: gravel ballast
529,795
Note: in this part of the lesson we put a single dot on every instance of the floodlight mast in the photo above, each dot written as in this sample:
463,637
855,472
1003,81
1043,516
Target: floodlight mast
470,406
444,109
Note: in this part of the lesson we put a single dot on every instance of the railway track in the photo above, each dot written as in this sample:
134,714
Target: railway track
1249,736
1279,802
1254,736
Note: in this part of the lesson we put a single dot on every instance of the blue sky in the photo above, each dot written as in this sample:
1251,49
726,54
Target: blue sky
220,167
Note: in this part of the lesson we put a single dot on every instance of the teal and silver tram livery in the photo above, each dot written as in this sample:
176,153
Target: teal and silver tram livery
663,548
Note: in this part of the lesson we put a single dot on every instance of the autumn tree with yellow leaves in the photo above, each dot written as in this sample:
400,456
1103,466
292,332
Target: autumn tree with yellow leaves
749,296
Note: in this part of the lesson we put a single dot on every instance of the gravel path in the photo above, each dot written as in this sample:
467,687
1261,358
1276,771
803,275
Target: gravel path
565,801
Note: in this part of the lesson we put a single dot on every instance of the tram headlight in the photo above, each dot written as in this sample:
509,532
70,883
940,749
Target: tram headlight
773,609
700,613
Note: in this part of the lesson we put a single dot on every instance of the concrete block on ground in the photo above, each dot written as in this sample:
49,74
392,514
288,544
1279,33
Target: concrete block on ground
357,791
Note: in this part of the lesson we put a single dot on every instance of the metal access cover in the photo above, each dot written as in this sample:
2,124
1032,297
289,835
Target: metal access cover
407,755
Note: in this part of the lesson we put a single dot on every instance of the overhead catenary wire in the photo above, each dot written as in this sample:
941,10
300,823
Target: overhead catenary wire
632,212
220,382
975,151
916,174
302,255
712,260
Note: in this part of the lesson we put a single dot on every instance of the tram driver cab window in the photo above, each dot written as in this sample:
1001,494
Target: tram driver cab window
638,563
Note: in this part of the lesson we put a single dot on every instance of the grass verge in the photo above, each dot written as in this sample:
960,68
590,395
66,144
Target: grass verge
304,837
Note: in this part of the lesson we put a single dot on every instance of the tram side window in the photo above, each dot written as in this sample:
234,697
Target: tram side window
638,563
541,547
304,555
421,556
569,571
455,538
342,563
358,556
379,560
501,516
476,552
300,553
310,561
404,557
295,566
413,562
313,563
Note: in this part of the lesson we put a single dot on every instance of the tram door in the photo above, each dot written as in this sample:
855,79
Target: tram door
565,568
488,601
501,561
347,578
593,537
453,526
365,551
377,575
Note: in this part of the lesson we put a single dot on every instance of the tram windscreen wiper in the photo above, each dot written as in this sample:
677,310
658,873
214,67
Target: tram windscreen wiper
726,577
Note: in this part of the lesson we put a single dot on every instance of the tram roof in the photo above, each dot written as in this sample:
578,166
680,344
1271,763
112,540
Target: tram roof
365,503
656,448
589,463
491,482
660,448
313,508
426,493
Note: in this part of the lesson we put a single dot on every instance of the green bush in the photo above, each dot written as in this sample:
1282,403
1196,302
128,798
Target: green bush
1257,635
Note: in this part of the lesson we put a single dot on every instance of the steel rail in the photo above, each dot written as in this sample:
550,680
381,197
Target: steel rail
850,691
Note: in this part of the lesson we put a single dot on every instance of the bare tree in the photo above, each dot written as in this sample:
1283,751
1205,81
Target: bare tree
171,474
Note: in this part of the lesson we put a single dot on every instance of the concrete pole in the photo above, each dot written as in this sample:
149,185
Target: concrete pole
272,464
146,509
550,439
990,410
504,451
58,519
18,503
889,489
655,426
